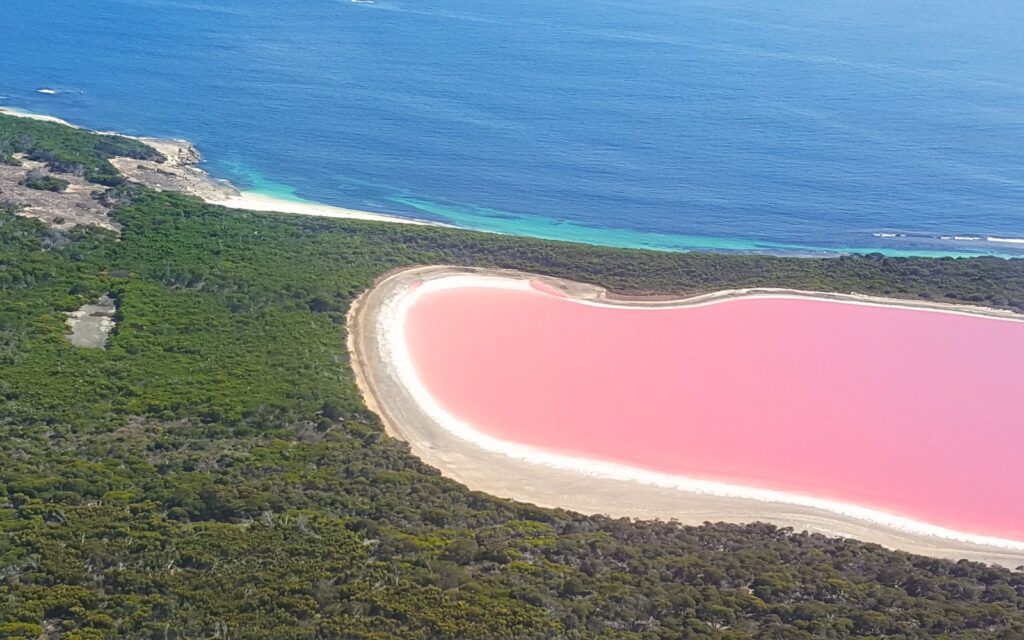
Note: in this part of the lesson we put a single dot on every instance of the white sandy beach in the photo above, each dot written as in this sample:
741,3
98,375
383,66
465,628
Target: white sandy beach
252,201
391,387
11,111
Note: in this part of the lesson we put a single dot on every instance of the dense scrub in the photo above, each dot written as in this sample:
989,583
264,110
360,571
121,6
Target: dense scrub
43,182
214,473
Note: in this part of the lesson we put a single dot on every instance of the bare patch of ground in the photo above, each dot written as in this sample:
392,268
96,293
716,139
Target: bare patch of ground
64,209
92,323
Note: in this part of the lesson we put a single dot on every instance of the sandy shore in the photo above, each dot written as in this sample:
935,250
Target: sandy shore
11,111
526,474
252,201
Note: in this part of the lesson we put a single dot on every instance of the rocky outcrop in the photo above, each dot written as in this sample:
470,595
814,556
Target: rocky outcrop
180,172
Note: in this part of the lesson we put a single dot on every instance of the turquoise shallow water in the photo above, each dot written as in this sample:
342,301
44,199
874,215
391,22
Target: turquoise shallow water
807,127
539,227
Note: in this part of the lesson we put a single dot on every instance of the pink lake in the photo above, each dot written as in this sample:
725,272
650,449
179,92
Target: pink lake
912,412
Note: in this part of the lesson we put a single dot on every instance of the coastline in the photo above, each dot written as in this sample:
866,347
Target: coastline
184,174
20,113
255,201
527,474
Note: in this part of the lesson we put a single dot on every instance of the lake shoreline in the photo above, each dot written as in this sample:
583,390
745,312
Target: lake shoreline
553,481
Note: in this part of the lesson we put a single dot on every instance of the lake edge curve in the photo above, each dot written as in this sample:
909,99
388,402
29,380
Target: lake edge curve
528,474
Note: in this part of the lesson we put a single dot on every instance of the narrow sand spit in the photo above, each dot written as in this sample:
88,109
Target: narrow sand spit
530,475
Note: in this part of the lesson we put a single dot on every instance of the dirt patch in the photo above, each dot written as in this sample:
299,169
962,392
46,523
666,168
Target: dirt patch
92,323
61,209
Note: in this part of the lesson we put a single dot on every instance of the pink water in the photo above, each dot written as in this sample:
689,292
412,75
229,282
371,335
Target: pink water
912,412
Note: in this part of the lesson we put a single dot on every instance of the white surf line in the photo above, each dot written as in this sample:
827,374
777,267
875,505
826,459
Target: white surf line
392,338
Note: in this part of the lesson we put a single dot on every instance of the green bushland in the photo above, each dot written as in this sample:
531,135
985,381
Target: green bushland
214,472
69,150
45,182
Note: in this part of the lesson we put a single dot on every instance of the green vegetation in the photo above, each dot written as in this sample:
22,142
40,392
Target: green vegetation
214,472
44,182
69,150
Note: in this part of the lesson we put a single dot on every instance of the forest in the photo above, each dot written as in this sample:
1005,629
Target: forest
214,473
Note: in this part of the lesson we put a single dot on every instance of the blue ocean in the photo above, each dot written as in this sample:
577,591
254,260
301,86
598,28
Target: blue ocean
802,126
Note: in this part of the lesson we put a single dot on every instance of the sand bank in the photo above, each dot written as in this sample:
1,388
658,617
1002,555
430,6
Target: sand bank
525,473
253,201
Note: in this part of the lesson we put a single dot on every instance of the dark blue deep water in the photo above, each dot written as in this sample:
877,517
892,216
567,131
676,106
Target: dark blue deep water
731,124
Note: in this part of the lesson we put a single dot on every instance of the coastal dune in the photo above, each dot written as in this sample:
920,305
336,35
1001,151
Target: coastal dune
588,484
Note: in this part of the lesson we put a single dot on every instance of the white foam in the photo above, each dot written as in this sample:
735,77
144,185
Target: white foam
391,322
978,239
